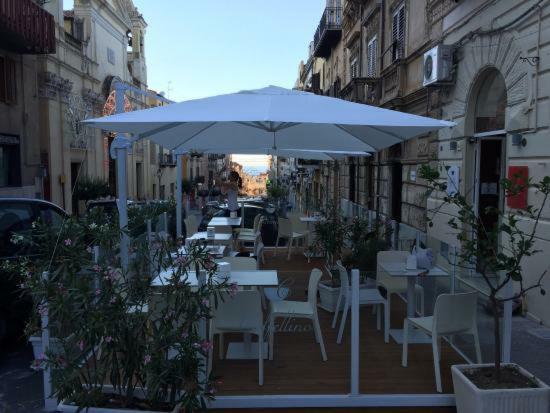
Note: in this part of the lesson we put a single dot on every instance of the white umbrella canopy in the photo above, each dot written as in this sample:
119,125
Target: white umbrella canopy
286,153
274,118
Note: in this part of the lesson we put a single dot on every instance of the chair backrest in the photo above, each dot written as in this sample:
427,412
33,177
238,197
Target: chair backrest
241,263
344,278
455,313
389,256
285,227
239,313
191,225
297,225
313,286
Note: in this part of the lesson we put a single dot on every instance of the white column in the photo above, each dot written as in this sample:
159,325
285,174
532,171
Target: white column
50,403
121,160
354,332
122,205
179,194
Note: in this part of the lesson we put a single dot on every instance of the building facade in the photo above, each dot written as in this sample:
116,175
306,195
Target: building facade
491,80
21,170
99,43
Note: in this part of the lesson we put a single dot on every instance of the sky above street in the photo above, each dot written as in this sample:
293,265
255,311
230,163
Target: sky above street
208,47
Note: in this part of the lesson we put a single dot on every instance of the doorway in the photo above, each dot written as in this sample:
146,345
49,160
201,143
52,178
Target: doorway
489,176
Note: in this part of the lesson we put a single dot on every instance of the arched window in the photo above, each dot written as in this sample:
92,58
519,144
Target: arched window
490,104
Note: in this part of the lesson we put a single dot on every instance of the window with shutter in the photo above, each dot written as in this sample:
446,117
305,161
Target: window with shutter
398,33
8,80
372,47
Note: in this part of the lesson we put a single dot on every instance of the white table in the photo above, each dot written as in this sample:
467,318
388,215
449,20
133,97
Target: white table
203,236
256,278
398,269
225,222
215,250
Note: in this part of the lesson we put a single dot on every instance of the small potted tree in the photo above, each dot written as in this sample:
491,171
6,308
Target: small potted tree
330,237
502,387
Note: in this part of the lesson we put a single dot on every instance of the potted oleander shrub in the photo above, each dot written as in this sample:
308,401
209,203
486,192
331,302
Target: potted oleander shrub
123,344
502,387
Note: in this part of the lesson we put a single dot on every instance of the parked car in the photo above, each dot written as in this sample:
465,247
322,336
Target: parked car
16,217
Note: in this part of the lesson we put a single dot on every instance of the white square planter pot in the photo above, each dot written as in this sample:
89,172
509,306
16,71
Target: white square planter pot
38,349
328,297
471,399
71,408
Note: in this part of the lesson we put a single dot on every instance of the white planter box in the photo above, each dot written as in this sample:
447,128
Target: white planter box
328,297
38,349
471,399
71,408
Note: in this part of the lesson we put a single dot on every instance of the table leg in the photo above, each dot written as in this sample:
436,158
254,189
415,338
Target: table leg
411,282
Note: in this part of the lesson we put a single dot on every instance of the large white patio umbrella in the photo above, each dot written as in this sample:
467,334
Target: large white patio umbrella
263,120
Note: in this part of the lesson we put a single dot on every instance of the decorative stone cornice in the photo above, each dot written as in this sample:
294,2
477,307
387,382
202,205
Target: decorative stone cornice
437,9
51,84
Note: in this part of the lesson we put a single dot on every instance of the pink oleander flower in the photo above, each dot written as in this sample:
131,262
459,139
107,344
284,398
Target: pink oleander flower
112,300
181,260
80,345
184,335
233,289
209,264
42,309
206,345
108,339
205,302
98,292
89,250
147,359
61,362
96,268
39,363
68,242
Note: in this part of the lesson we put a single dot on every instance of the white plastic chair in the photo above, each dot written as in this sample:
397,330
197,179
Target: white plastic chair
246,233
239,314
299,309
453,314
395,285
367,296
191,226
285,231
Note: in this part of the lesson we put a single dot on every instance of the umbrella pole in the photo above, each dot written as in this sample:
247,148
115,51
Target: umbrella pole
122,205
179,201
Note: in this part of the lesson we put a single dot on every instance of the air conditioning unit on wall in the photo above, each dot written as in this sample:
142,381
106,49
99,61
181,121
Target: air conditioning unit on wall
438,64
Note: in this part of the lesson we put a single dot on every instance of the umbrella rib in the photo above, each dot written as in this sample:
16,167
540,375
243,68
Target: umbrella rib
357,137
195,134
159,130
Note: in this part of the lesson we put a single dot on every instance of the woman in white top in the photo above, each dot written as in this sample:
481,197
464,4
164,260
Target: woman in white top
231,190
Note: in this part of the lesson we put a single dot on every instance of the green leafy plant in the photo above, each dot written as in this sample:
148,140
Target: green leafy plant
123,342
276,191
500,249
331,234
88,188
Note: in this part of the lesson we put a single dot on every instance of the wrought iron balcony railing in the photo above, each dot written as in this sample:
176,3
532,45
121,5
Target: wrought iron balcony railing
26,28
328,32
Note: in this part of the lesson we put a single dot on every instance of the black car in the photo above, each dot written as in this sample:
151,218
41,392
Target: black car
269,228
16,217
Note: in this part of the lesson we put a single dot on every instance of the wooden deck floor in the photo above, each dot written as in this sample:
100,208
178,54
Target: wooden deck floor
297,367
